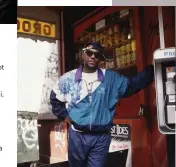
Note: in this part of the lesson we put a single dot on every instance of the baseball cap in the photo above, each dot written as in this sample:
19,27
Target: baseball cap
95,46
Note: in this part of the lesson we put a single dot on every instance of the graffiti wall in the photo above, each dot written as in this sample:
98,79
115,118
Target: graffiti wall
27,138
52,72
37,71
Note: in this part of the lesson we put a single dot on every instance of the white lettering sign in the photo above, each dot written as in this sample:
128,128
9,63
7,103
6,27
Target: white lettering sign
165,54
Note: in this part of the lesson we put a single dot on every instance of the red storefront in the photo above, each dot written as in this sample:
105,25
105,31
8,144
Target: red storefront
149,146
140,35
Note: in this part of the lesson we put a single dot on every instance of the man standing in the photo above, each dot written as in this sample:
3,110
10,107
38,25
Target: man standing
86,98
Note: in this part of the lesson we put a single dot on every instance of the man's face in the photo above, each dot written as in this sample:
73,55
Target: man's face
92,58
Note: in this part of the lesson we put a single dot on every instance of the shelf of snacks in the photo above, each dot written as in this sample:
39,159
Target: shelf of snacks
116,68
118,39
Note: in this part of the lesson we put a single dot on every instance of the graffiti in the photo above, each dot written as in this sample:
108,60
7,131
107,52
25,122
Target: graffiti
27,133
59,135
52,68
27,138
51,75
45,95
59,142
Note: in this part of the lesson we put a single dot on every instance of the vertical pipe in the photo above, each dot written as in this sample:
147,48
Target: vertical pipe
58,35
62,43
161,29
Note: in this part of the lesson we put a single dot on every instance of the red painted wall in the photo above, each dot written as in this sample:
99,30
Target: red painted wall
153,148
158,141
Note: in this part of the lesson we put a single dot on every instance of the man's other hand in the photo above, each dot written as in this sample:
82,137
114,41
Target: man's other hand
68,120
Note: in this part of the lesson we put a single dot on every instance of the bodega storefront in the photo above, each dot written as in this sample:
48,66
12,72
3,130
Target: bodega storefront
40,48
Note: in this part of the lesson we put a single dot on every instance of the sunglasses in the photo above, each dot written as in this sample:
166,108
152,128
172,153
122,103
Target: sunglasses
97,55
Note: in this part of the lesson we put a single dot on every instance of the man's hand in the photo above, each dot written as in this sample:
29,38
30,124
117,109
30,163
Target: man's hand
68,120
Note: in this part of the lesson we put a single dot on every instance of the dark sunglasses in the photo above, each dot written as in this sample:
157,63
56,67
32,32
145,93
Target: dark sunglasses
97,55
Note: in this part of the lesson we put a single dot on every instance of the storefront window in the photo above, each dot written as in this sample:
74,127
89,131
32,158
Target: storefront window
116,32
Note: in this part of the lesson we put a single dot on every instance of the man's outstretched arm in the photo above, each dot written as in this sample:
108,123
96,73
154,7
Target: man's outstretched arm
140,81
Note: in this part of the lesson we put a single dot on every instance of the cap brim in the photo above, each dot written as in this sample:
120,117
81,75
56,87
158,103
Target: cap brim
93,50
